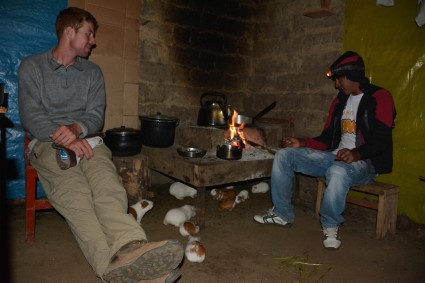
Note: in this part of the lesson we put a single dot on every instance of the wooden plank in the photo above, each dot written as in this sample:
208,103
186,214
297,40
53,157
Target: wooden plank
377,188
362,202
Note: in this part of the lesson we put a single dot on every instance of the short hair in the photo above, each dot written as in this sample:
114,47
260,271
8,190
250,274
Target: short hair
73,17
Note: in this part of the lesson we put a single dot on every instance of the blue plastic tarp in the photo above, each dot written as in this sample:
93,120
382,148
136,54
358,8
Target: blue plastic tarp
27,27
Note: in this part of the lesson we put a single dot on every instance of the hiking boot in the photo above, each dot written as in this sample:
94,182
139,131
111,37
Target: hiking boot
331,238
271,218
139,260
167,278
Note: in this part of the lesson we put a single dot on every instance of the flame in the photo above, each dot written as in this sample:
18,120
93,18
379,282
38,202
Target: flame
236,131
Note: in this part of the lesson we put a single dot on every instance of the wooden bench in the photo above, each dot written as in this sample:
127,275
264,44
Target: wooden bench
386,205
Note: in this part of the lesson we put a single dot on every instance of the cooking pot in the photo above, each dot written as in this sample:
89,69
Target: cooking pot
229,152
123,141
214,112
158,130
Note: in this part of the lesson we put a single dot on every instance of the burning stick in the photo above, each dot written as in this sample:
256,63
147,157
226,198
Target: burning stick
261,147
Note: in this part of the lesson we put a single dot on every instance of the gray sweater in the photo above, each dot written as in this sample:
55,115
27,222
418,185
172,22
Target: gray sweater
51,95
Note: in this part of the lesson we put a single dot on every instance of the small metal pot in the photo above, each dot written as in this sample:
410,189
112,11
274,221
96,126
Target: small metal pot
158,130
229,152
123,141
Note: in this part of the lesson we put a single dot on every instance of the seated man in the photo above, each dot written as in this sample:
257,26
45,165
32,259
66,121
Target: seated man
61,103
355,146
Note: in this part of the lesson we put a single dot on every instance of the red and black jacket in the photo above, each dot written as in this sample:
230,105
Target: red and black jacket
375,121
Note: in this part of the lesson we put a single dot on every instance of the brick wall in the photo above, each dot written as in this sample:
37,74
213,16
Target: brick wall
117,55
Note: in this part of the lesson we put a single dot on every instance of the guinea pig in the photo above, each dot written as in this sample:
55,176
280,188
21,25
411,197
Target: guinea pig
177,216
195,250
242,196
261,187
188,229
227,204
139,209
180,190
222,194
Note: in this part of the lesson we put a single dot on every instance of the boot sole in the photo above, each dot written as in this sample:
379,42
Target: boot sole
152,264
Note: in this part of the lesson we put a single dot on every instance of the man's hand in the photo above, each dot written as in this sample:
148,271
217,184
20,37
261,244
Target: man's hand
82,148
292,142
66,134
347,155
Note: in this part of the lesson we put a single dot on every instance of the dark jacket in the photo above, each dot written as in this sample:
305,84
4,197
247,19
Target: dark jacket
375,121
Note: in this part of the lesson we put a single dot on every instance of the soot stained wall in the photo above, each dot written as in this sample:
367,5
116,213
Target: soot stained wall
255,52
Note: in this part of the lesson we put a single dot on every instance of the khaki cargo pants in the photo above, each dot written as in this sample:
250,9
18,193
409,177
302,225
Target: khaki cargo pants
91,199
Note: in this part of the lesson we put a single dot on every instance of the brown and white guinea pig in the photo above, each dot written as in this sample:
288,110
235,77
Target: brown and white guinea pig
227,204
177,216
218,194
195,250
242,196
180,190
188,229
139,209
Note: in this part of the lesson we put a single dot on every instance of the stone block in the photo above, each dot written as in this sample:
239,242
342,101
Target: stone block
200,137
131,99
131,73
131,44
114,16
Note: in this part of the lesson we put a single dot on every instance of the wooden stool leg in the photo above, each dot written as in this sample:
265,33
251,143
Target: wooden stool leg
381,228
391,207
320,190
30,206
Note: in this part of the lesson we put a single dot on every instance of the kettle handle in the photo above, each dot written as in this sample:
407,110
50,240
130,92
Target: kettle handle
211,94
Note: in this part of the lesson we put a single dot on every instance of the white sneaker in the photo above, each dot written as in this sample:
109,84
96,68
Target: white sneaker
331,238
271,218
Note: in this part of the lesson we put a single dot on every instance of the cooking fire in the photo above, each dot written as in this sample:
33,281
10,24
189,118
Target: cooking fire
237,137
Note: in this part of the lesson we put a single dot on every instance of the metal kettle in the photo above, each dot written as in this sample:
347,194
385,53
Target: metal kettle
214,112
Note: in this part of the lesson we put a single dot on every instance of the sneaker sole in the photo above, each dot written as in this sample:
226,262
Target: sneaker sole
287,225
331,248
151,264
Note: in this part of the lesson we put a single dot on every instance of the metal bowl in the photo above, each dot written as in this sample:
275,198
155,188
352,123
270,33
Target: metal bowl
192,152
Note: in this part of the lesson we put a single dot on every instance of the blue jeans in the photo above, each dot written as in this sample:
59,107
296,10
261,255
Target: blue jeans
340,176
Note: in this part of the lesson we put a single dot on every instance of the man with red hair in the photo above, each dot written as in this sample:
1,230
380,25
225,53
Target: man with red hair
62,103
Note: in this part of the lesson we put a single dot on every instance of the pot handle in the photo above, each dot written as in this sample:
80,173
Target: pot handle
213,94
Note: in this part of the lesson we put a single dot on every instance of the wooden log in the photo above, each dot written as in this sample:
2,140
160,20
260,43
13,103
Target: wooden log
134,174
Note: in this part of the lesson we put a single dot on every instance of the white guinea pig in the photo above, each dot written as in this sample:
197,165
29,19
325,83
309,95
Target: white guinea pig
261,187
177,216
180,191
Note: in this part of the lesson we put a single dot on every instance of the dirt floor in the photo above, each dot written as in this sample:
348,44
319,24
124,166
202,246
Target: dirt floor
237,248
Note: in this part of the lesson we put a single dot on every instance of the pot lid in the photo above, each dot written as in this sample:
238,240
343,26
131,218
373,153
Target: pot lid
158,117
123,131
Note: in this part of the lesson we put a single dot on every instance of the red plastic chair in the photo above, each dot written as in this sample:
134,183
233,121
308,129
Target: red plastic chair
32,203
